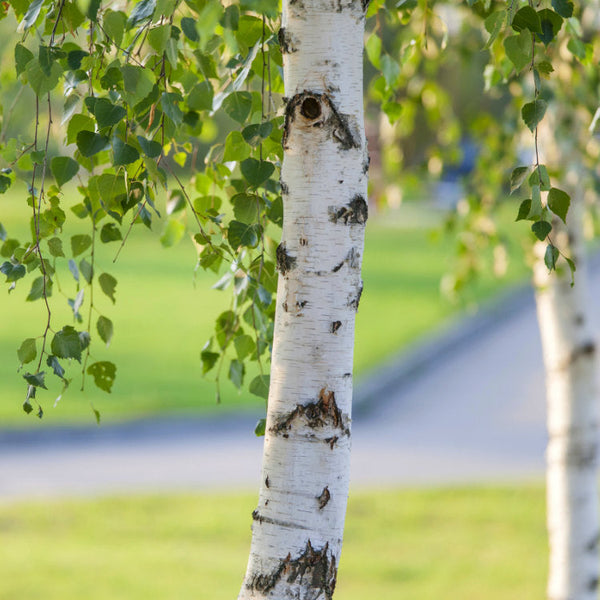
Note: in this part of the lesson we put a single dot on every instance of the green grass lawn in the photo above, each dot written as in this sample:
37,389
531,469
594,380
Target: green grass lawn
463,544
163,316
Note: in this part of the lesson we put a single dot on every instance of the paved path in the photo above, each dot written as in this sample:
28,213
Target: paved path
475,413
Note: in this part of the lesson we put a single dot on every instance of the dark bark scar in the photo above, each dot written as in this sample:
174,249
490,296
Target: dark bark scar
356,212
286,41
285,262
335,326
316,568
322,413
324,498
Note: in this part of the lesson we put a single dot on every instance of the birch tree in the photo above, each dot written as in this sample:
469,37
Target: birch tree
298,524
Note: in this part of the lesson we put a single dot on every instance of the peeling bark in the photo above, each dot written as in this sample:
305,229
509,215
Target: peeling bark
355,212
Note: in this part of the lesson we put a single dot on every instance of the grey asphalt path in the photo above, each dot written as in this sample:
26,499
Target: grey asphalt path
464,407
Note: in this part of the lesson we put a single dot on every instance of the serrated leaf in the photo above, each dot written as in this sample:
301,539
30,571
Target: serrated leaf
559,202
56,367
104,373
551,24
236,373
40,82
541,229
524,209
150,148
64,169
533,113
108,114
238,106
105,329
110,233
86,269
551,256
244,346
188,26
12,271
90,143
158,38
67,344
22,58
518,49
256,172
37,380
527,18
243,234
141,11
540,177
563,7
201,96
517,178
76,124
493,25
37,290
246,208
169,102
137,82
27,351
236,149
80,243
256,133
259,386
108,284
209,360
123,154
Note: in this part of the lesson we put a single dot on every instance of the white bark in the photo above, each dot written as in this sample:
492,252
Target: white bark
298,524
573,417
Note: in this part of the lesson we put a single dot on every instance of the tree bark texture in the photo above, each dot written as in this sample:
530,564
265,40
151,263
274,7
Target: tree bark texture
298,524
573,414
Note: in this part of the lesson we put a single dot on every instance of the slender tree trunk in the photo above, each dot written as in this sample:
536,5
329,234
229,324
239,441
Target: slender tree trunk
573,417
298,524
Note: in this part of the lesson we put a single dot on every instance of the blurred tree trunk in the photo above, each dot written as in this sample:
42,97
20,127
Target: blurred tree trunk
298,524
573,414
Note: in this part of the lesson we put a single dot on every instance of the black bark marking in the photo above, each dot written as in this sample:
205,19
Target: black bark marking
324,498
352,258
313,566
338,267
356,212
285,262
335,326
593,584
256,516
284,187
303,241
322,413
347,375
582,456
366,165
355,300
286,41
311,108
332,441
267,482
586,349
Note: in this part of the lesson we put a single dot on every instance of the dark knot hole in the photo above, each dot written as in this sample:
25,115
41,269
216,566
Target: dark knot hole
310,108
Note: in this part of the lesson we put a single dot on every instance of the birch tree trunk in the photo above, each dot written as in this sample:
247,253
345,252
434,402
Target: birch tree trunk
573,415
298,524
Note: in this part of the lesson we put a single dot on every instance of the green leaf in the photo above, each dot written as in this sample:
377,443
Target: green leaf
259,386
524,209
493,25
36,380
64,169
108,114
236,148
108,284
255,134
90,143
114,25
188,26
533,113
173,233
261,427
56,367
244,346
5,183
551,24
158,38
86,269
518,49
105,329
137,82
22,58
540,177
123,154
243,234
37,290
12,271
80,243
236,373
246,207
541,229
31,15
110,233
55,247
201,96
393,110
536,203
40,82
517,178
390,69
104,373
238,106
149,148
209,360
169,105
373,48
559,202
256,172
27,351
76,124
551,256
92,10
572,268
46,58
563,7
527,18
141,11
67,344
